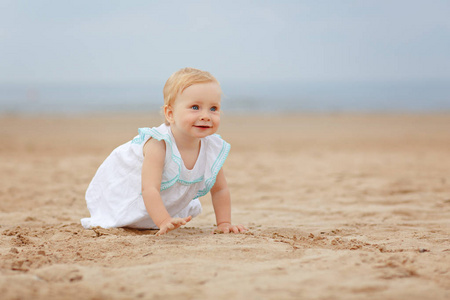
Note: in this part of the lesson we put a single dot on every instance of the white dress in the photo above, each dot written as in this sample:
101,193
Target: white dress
114,196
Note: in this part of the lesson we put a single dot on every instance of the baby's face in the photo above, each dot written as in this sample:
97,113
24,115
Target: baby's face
196,111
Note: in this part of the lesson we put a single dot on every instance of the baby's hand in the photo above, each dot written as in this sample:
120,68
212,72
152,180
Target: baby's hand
228,227
172,224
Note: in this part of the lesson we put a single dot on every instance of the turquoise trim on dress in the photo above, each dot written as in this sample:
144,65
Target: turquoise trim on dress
217,165
184,182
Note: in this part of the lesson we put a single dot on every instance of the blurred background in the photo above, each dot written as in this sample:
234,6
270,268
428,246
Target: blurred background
71,57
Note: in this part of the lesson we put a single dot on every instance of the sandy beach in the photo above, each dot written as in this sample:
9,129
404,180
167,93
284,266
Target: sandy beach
338,206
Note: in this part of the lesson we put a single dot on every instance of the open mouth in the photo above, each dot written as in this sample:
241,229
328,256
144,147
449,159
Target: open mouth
203,126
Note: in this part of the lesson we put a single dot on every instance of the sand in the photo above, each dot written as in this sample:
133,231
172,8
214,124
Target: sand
339,206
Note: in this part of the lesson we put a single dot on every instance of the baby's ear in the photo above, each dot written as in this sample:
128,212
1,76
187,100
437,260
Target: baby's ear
168,113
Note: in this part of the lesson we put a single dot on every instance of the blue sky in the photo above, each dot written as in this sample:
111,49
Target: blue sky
140,41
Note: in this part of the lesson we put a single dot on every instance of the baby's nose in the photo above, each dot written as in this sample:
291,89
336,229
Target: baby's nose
205,116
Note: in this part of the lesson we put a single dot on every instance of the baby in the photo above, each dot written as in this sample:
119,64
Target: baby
155,180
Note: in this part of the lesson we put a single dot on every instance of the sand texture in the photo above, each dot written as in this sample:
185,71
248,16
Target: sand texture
338,207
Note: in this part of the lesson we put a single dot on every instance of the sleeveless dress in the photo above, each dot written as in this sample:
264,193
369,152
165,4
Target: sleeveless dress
114,196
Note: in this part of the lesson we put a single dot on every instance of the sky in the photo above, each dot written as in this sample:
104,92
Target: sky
108,41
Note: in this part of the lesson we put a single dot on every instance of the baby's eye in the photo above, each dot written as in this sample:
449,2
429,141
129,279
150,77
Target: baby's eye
214,108
195,107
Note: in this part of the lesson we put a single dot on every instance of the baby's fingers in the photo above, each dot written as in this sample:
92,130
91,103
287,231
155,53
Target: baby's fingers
165,229
185,220
235,229
178,222
181,221
241,228
161,231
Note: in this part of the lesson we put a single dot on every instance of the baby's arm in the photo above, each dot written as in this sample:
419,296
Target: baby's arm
222,206
152,168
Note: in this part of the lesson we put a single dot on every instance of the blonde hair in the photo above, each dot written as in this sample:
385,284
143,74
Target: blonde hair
181,80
